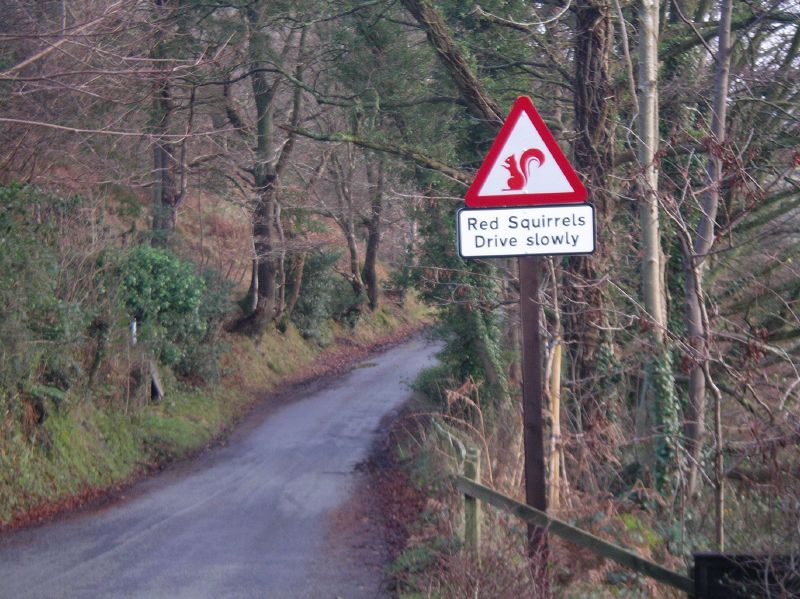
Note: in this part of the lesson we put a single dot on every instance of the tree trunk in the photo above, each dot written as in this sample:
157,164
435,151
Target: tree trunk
164,190
169,158
342,168
280,162
657,415
164,187
376,180
514,322
295,282
703,242
280,263
252,292
264,236
554,486
584,287
352,248
478,102
554,397
652,287
264,174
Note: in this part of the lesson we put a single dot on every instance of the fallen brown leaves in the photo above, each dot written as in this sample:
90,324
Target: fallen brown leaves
400,502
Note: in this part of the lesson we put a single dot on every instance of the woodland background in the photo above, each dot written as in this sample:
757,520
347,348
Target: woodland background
267,173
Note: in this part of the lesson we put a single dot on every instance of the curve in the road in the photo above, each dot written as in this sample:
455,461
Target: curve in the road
246,520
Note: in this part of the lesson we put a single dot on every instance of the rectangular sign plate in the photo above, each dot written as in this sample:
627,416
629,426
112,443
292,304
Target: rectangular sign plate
532,231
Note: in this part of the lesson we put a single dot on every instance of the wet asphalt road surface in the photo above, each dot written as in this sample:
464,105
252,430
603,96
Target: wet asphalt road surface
250,519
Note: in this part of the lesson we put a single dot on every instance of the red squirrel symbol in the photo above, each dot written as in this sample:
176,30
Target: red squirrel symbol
519,175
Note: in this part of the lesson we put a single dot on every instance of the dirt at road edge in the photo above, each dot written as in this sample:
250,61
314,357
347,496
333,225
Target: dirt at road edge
372,528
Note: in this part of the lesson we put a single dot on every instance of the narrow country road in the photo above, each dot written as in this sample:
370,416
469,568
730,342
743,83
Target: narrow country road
250,519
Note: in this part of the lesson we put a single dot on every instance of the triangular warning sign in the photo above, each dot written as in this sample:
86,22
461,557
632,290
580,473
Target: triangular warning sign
525,166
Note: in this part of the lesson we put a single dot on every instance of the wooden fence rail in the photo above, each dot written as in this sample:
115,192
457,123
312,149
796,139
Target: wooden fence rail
575,535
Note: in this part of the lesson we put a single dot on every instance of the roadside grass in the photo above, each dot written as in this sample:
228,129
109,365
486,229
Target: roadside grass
260,364
84,448
92,443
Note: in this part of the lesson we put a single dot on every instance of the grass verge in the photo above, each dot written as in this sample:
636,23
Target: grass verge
87,448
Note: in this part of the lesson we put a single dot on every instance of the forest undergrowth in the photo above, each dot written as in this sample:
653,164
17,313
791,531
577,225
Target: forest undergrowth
80,419
434,562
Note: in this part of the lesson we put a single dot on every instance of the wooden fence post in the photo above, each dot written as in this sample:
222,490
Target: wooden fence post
472,507
468,526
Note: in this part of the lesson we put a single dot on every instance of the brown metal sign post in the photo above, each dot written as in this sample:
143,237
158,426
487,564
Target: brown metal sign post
532,391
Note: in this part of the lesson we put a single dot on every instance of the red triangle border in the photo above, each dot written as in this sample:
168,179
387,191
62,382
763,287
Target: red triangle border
578,195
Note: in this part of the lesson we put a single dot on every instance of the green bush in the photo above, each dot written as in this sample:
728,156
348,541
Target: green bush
324,295
176,310
201,360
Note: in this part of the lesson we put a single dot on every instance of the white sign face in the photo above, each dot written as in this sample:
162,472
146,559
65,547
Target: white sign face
525,165
530,231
